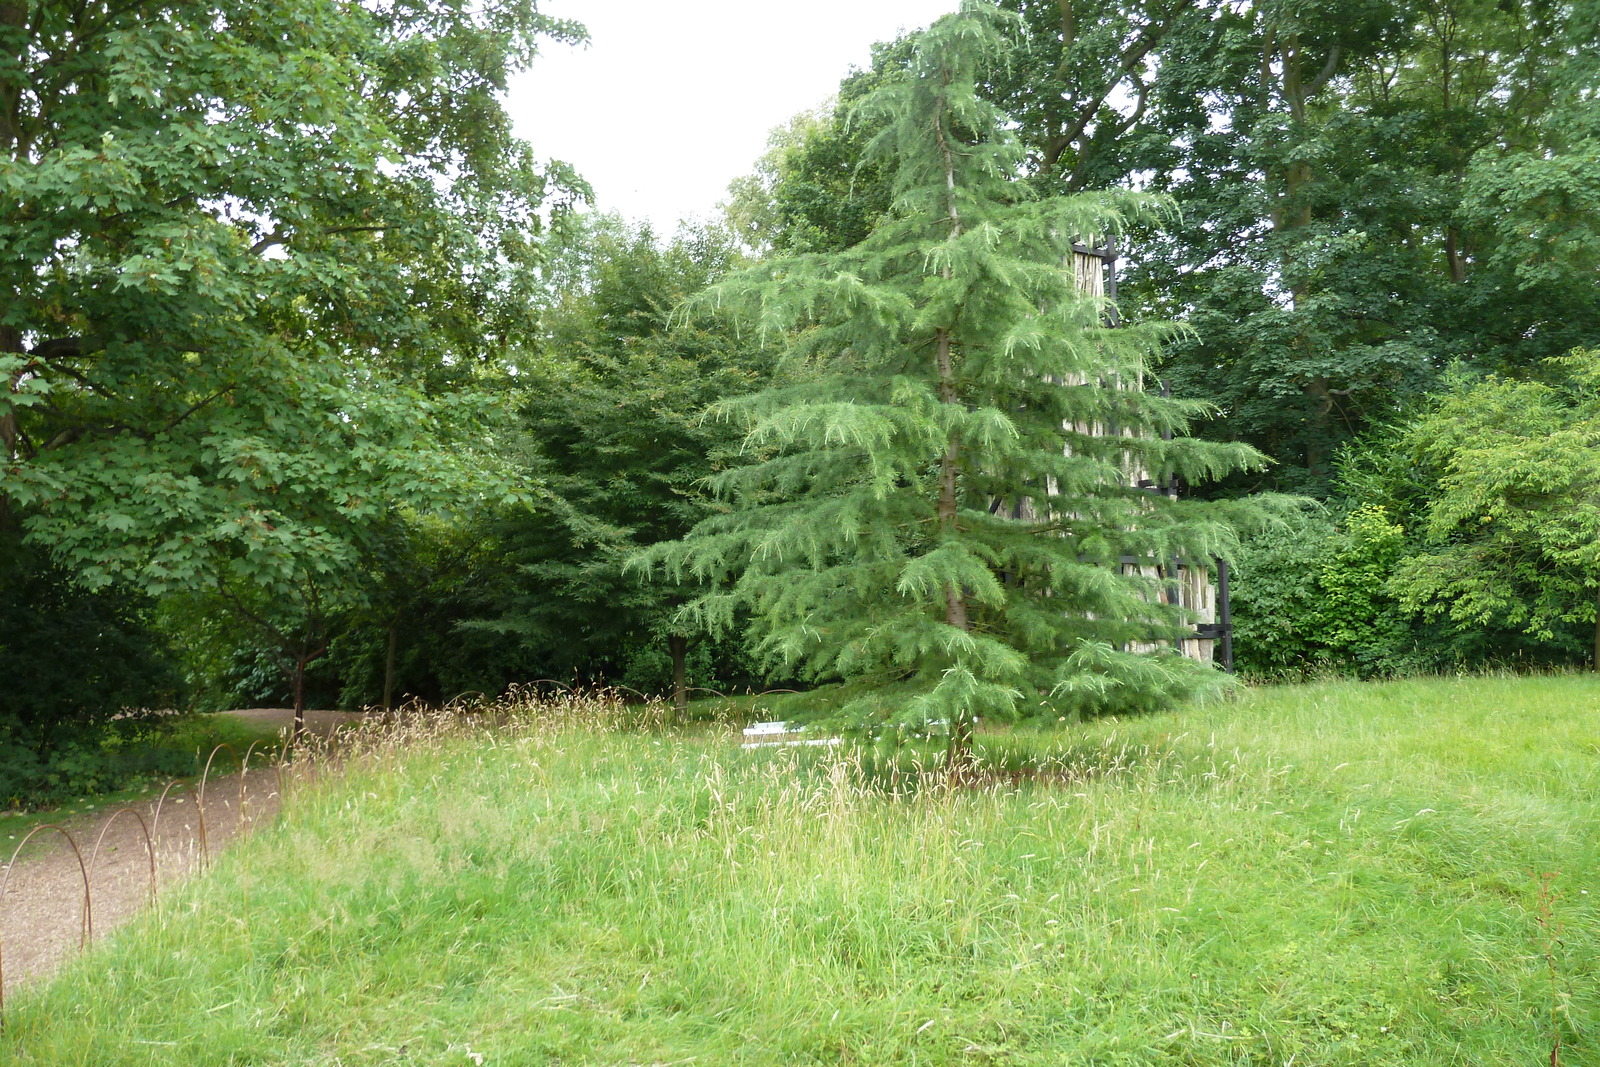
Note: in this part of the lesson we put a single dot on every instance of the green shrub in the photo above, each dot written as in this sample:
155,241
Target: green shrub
82,672
1312,598
1360,625
1274,596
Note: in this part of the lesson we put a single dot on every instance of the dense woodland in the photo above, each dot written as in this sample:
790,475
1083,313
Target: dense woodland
321,388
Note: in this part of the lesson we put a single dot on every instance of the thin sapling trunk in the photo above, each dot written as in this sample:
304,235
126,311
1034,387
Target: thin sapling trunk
388,664
678,644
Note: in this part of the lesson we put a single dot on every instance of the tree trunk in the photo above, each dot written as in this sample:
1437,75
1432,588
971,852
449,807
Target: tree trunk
1452,252
10,430
14,21
955,598
1293,212
299,684
959,752
1597,636
1321,431
297,681
388,664
679,646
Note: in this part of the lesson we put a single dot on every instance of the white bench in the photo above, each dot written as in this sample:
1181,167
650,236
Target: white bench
767,734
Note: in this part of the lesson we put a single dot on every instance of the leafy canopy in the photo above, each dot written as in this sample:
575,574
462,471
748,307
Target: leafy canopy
610,410
258,260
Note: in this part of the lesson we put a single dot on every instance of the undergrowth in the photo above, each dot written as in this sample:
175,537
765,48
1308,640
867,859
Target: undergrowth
177,749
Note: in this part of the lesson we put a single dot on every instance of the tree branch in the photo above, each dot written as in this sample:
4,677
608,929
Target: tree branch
219,393
1327,70
1141,46
1080,165
58,348
277,239
280,639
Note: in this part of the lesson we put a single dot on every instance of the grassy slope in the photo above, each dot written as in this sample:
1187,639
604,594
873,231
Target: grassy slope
1330,874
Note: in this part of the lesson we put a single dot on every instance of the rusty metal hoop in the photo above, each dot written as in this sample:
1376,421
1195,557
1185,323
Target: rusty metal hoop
199,810
86,927
205,773
244,768
149,845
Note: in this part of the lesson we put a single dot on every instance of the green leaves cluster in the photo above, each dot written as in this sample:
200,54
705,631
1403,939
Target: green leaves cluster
1465,537
1513,536
81,668
1371,192
611,409
1311,595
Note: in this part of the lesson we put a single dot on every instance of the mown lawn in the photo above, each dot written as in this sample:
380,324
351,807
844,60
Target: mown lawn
1325,874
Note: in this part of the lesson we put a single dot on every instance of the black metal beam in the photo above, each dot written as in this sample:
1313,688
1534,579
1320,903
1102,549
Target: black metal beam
1225,615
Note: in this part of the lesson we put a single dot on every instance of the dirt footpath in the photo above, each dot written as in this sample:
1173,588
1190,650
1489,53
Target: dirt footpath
42,916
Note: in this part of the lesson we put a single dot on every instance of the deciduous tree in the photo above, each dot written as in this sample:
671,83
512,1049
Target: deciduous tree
613,415
250,257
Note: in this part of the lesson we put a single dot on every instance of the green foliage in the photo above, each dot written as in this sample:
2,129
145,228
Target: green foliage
611,412
914,509
1368,191
81,669
1375,195
430,571
1331,591
1275,596
1513,536
1357,615
723,666
1536,198
1310,596
1342,875
1079,82
227,661
136,759
262,261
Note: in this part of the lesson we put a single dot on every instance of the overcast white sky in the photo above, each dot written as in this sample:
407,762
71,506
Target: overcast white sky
671,101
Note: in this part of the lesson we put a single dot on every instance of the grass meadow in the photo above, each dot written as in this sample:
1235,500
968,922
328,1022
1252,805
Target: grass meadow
1338,873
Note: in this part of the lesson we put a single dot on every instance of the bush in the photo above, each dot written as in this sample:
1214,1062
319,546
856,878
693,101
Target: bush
82,670
1274,597
1312,598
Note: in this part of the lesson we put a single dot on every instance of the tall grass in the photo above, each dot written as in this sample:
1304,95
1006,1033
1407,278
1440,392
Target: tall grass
1327,874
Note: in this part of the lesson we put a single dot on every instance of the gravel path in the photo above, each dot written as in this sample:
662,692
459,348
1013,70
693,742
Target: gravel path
41,915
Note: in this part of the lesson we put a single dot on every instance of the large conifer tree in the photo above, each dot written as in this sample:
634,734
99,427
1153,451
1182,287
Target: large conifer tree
945,491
